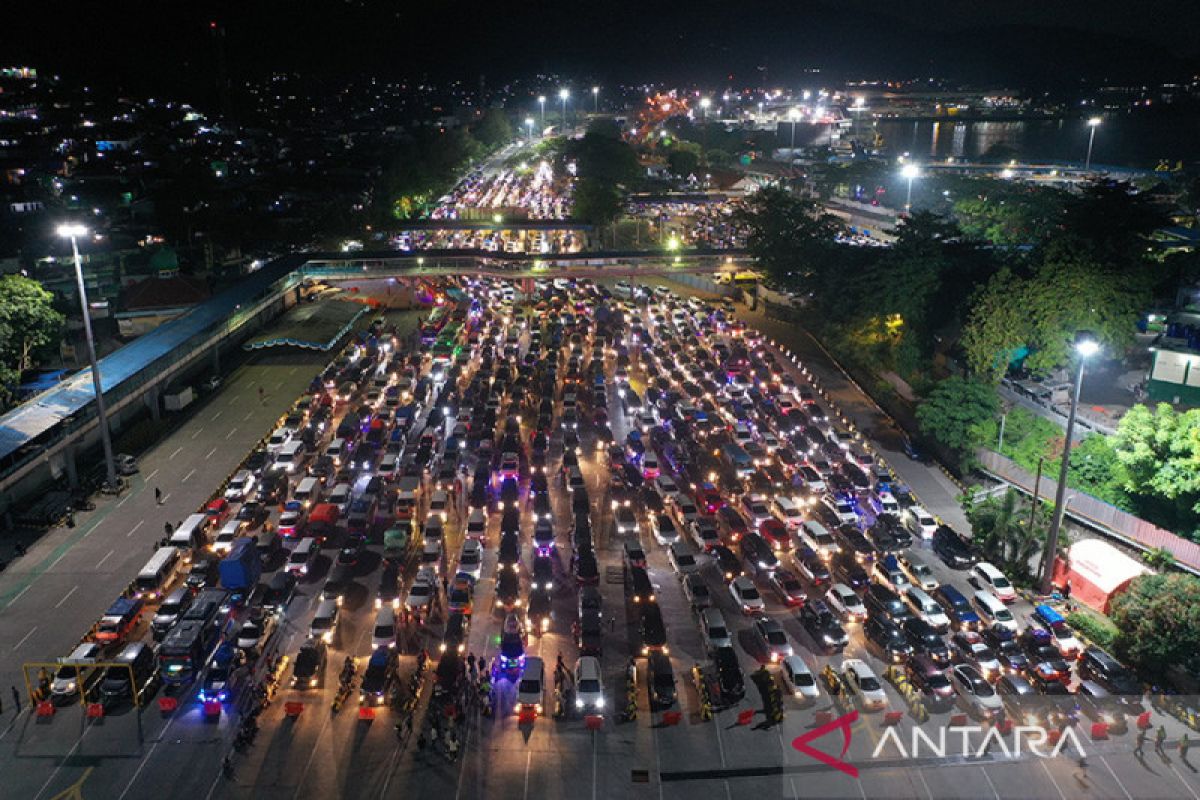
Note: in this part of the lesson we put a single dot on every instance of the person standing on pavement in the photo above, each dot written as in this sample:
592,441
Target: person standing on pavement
157,496
1141,743
1160,738
16,699
1184,745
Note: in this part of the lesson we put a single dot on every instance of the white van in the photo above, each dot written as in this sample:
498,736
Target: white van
192,533
158,574
818,537
336,450
290,457
532,687
301,559
308,492
928,609
384,634
278,439
788,512
340,496
992,611
324,622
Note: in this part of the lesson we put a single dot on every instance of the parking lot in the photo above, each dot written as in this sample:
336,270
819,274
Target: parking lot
673,451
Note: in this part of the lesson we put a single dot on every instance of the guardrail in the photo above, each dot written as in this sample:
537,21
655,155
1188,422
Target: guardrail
1094,513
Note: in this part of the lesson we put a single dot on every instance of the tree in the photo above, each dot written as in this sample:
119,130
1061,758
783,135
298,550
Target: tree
684,159
1001,531
1158,618
1159,456
601,154
1095,469
1114,218
790,236
29,324
955,412
596,201
997,328
494,129
1003,212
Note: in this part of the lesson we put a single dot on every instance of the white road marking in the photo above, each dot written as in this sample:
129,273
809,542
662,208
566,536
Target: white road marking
595,760
25,637
18,596
66,596
1115,778
246,418
166,497
152,474
178,450
231,432
1049,775
214,416
135,528
124,500
101,561
292,371
185,477
528,761
197,432
54,563
210,454
986,777
1186,785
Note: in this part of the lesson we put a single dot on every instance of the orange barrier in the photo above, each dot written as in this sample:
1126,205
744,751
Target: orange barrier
1005,726
95,710
958,720
1143,721
594,722
892,717
1053,736
745,717
293,708
526,716
673,717
45,709
366,712
1099,730
824,718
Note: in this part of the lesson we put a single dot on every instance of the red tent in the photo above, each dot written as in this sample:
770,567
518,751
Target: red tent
1098,571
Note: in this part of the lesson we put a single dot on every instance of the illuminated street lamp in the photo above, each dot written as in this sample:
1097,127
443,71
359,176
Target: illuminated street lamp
1085,347
73,232
1093,123
704,104
542,103
794,116
595,99
563,94
910,171
529,126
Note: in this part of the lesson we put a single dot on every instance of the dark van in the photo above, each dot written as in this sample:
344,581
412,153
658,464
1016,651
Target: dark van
135,661
654,631
958,608
883,602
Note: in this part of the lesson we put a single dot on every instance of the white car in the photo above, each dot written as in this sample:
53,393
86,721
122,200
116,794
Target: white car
626,521
862,684
919,522
798,678
470,559
682,559
755,507
704,532
664,529
714,630
746,595
842,510
975,694
846,602
476,525
986,576
421,593
589,684
240,485
918,572
666,487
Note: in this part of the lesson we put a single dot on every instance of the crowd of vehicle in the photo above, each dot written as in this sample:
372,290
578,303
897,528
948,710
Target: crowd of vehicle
457,458
532,188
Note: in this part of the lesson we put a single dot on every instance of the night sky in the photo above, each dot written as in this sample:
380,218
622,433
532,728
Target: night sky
167,44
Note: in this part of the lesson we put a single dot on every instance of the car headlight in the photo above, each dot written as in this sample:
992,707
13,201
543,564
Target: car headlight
579,702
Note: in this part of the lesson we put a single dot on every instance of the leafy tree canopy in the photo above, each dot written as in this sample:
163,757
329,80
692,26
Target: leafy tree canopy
1159,622
956,411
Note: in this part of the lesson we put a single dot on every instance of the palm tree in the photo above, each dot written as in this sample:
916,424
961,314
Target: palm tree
1002,534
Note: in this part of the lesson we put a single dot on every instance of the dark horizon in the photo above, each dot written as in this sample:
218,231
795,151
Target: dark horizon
145,47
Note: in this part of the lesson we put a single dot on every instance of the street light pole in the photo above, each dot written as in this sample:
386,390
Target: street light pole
1084,347
910,171
563,94
529,126
595,99
72,232
1093,123
542,103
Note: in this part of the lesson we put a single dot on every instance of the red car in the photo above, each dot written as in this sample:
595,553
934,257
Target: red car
708,498
217,510
776,534
788,587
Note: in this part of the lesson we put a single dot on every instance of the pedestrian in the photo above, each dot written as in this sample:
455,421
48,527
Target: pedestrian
471,661
421,742
169,528
157,496
1184,745
1141,743
445,585
16,699
1066,590
1160,739
261,399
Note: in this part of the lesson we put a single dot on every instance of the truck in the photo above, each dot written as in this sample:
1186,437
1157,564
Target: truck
119,620
187,646
240,570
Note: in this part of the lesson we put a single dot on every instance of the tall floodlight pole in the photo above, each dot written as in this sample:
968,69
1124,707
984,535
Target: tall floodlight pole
1093,123
542,103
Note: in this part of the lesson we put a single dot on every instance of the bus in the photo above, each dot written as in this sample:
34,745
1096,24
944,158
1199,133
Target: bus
187,646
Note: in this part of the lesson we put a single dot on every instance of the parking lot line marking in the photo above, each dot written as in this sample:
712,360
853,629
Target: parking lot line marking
25,637
178,450
279,385
246,418
231,432
152,474
219,413
197,432
929,791
1186,785
101,561
1049,775
122,502
135,528
1115,778
528,761
292,371
54,563
185,477
210,454
166,497
18,595
986,777
66,596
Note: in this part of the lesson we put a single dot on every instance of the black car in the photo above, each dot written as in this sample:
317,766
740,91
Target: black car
822,625
882,602
653,630
845,569
508,588
660,682
1097,665
952,549
729,674
886,640
810,564
1007,651
882,539
590,632
543,573
352,549
202,574
540,610
640,586
389,585
338,583
587,571
378,676
509,551
925,639
729,565
309,667
897,530
253,513
852,542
